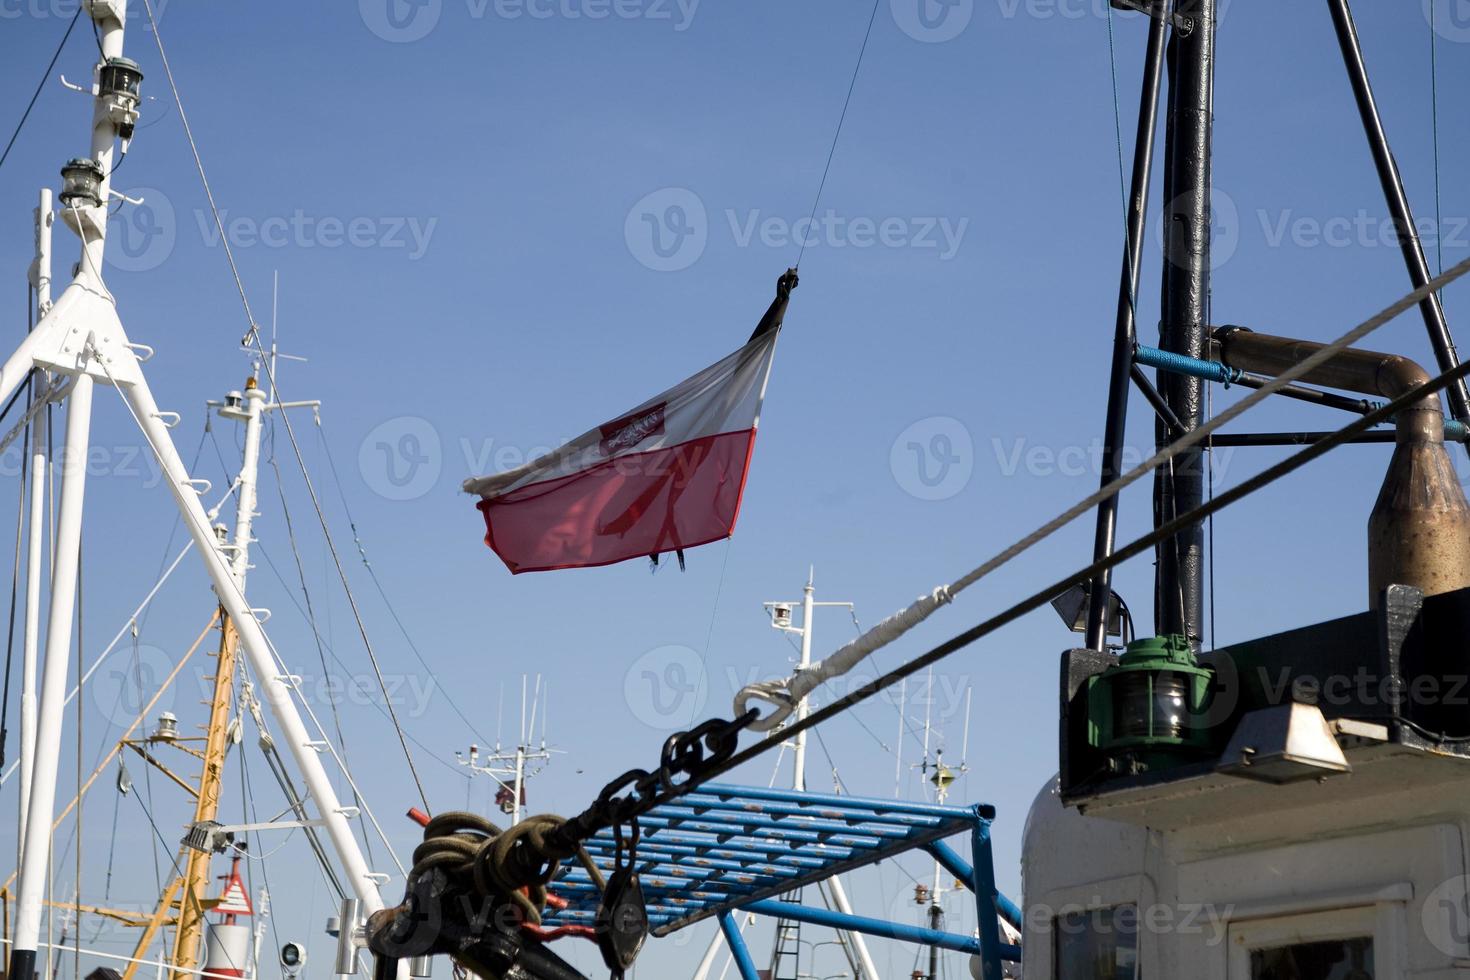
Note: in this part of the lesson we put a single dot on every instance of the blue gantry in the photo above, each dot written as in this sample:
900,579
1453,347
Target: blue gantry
724,849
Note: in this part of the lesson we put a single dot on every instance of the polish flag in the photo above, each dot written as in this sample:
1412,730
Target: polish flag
665,476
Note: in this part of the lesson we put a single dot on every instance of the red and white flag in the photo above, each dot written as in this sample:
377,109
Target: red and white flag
665,476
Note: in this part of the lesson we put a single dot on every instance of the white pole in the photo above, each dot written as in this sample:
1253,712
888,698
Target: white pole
273,686
802,707
32,889
520,783
254,398
110,24
839,898
35,530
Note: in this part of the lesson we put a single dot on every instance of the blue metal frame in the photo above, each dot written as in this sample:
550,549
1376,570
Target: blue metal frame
738,950
726,848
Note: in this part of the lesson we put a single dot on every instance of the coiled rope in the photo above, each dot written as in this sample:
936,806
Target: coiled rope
514,865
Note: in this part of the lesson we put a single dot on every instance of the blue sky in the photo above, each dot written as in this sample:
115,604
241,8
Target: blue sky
461,199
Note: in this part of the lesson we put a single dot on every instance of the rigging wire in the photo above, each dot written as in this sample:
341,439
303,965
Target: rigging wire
709,636
199,165
40,85
1434,117
342,575
77,819
15,573
832,150
311,616
382,593
326,643
1117,115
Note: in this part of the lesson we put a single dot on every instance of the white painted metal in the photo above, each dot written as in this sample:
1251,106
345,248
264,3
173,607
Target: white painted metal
803,707
35,852
272,685
511,769
853,940
254,399
1381,853
35,529
81,335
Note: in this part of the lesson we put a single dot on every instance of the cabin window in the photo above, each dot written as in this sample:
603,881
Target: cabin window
1097,944
1339,959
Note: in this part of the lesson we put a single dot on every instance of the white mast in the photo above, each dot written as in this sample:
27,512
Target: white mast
831,888
82,337
41,281
512,768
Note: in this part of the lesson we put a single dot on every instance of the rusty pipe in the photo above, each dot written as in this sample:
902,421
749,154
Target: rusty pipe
1419,530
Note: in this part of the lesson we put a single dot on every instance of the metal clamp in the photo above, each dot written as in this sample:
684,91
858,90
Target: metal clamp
1182,23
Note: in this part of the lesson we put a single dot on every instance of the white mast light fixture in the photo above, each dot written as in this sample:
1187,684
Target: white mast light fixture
119,83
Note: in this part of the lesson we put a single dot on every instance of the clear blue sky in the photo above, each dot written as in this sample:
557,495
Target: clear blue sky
454,195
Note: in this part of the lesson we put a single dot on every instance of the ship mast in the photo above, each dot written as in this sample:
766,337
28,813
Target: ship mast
80,342
832,891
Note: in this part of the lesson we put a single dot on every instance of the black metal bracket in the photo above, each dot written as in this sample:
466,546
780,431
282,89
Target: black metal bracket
1176,427
1156,9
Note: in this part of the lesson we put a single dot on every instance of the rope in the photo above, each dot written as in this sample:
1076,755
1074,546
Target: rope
39,86
199,165
382,593
512,865
842,118
321,517
784,695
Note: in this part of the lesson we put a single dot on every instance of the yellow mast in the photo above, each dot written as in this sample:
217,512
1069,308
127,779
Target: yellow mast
196,878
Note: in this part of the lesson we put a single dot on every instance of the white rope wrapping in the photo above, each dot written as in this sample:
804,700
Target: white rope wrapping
784,695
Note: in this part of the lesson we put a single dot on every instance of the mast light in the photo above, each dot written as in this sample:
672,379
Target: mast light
81,183
121,79
119,83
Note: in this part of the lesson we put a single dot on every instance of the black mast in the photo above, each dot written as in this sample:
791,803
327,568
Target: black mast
1179,576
